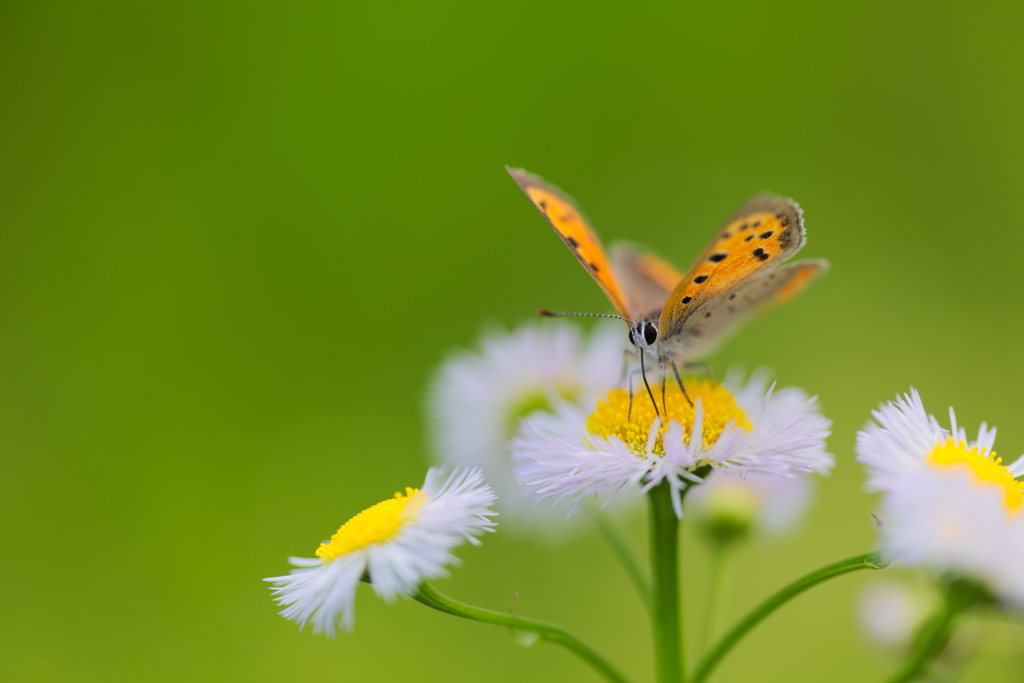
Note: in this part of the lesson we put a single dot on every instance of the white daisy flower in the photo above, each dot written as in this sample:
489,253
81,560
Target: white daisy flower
583,450
477,398
948,504
397,544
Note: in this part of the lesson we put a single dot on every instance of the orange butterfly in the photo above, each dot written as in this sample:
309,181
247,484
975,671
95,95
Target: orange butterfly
674,315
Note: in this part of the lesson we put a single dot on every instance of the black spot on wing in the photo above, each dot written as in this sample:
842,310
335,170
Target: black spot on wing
761,254
687,299
700,279
572,242
765,235
715,258
786,238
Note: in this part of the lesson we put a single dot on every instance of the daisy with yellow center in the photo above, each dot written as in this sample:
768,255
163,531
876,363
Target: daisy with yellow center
741,426
948,504
396,544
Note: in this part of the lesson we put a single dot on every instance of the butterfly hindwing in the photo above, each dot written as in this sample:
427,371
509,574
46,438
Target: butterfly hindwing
760,234
570,224
709,324
646,279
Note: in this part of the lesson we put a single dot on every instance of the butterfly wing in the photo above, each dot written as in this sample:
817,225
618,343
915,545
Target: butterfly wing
570,224
760,234
711,322
646,279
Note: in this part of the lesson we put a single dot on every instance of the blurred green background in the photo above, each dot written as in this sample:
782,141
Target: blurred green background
237,238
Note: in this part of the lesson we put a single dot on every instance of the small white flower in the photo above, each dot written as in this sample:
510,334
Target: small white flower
398,543
598,449
477,398
948,504
891,611
755,503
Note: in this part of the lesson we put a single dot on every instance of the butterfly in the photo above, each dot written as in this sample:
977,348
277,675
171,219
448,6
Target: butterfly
672,316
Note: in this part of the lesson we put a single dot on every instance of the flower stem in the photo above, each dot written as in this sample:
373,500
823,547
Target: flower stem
935,633
871,560
623,553
721,553
665,608
431,597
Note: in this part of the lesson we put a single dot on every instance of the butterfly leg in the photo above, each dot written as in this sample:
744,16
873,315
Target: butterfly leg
633,374
703,366
629,413
664,383
680,379
626,356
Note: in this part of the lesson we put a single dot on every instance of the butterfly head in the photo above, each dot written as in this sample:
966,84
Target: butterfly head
643,334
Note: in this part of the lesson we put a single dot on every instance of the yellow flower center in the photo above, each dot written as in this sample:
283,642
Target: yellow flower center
987,469
373,525
613,416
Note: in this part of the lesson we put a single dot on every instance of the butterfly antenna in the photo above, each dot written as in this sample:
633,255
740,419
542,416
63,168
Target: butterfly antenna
643,373
558,314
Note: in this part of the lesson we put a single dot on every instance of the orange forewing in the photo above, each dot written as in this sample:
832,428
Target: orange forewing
567,220
762,233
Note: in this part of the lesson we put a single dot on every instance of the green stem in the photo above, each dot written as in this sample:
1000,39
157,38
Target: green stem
623,553
721,553
871,560
665,609
431,597
935,633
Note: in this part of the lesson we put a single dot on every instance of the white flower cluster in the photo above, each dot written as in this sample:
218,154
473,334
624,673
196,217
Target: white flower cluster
517,413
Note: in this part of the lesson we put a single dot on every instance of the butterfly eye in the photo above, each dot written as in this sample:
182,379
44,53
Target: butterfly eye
632,340
650,333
